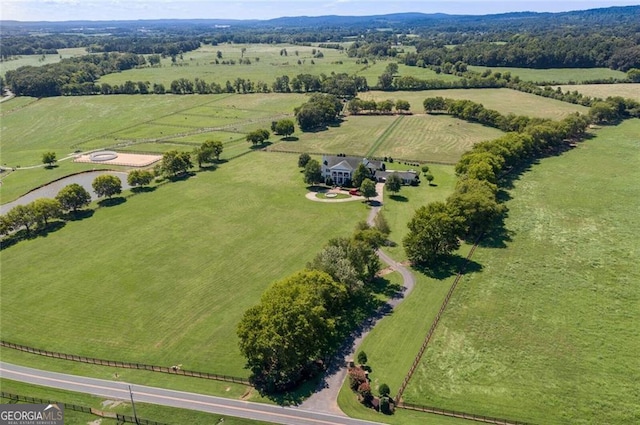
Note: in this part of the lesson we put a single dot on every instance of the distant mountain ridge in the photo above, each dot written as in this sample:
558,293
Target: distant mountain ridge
613,15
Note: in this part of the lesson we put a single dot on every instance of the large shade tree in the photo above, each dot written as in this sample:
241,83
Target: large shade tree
73,197
312,172
293,326
107,185
434,231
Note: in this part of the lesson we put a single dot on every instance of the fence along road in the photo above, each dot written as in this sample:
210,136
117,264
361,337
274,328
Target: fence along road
172,398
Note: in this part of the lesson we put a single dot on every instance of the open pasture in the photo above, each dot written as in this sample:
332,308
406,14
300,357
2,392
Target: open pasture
39,60
438,138
504,101
556,75
172,271
603,91
266,64
356,135
547,333
69,124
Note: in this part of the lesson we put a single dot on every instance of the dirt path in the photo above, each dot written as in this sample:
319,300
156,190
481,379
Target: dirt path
325,399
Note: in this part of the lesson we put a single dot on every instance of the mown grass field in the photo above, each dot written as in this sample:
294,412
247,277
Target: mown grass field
436,138
170,272
504,101
69,124
39,60
266,64
556,75
603,91
547,333
152,412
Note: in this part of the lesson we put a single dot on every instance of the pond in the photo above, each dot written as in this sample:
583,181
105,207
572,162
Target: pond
51,190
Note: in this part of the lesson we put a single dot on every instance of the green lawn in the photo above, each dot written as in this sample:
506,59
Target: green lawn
504,101
548,332
440,138
556,75
39,60
62,127
603,91
170,272
270,64
152,412
355,136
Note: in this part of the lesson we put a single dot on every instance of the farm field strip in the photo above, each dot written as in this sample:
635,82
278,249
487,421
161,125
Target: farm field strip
384,135
546,333
438,138
503,100
603,91
559,75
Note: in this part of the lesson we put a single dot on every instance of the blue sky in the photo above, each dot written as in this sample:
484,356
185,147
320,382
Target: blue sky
63,10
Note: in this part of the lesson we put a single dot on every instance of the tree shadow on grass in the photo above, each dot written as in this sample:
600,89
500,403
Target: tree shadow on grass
180,177
446,266
78,215
290,139
52,226
384,287
51,166
399,198
112,202
143,189
260,146
317,188
210,167
297,395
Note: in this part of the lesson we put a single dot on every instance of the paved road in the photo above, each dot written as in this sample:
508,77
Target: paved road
325,398
180,399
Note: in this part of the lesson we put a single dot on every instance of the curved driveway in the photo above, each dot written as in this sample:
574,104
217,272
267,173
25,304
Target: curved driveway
325,399
172,398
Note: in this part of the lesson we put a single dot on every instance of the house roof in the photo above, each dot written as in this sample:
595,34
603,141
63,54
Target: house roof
350,162
404,175
343,161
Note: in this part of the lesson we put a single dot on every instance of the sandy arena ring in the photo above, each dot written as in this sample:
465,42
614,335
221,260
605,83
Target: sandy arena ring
119,158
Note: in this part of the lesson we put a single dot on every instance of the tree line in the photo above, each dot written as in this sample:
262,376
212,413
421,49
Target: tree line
553,50
436,229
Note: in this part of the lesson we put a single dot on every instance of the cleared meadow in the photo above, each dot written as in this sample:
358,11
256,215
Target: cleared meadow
504,101
39,60
603,91
438,138
355,136
557,75
266,64
170,272
69,124
547,333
